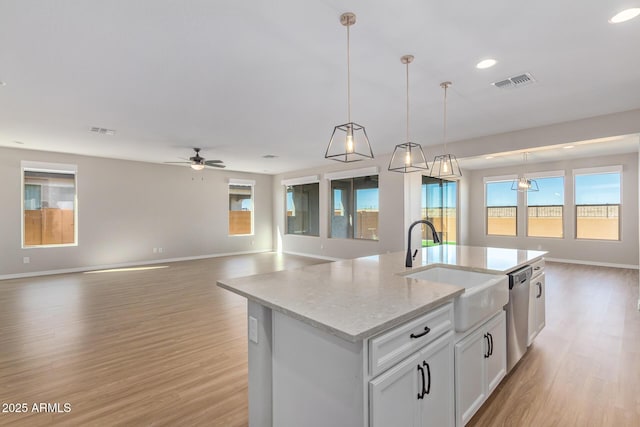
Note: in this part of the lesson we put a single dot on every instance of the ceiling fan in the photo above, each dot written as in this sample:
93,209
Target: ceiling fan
198,162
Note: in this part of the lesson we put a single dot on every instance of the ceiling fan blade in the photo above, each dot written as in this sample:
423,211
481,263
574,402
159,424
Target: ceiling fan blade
216,165
177,162
210,162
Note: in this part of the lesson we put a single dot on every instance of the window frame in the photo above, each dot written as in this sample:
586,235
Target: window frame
351,175
601,170
442,186
61,168
544,175
246,183
496,179
299,182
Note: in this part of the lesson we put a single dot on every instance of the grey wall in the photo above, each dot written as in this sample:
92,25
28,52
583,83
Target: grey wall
623,252
127,208
391,219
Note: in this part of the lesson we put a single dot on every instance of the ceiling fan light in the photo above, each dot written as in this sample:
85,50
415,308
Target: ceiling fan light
197,166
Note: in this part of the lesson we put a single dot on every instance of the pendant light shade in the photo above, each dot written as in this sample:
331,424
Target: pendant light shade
523,184
408,157
445,165
349,142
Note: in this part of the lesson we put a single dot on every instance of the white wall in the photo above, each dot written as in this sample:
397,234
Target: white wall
127,208
623,252
391,219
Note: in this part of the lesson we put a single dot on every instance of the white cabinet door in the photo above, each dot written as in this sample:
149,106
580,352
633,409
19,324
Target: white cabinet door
396,394
536,307
497,360
437,407
470,376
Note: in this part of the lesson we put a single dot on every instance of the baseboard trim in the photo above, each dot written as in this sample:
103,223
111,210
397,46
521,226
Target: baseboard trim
598,264
125,265
326,258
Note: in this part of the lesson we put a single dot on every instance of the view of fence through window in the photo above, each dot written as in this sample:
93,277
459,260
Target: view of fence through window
545,208
240,209
357,196
597,198
439,204
502,208
49,207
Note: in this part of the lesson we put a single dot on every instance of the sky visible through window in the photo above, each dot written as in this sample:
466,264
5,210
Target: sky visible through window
367,198
500,194
598,189
551,192
432,195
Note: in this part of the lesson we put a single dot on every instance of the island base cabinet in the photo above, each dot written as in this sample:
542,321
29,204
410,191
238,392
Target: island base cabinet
417,391
480,365
536,307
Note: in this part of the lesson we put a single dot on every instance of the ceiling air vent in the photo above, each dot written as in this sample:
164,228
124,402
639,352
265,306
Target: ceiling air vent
515,81
102,131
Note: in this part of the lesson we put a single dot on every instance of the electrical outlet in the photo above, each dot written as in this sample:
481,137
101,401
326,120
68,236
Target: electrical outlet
155,250
160,250
253,329
639,305
26,260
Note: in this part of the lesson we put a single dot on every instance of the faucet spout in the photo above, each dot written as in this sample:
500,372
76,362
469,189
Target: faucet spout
436,239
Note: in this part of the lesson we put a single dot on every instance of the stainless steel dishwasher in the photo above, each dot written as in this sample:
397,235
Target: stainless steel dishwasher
518,315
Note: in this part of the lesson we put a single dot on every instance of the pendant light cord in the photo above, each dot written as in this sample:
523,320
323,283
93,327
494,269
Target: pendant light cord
408,140
348,76
444,131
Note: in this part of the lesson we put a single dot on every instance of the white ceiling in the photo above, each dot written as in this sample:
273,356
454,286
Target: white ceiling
247,78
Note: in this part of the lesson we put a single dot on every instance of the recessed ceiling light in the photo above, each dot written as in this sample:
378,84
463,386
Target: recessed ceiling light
625,15
2,83
486,63
489,157
269,156
18,142
568,146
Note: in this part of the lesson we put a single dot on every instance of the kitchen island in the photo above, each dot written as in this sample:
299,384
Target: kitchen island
324,338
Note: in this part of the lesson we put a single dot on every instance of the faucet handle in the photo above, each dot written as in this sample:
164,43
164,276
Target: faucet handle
414,254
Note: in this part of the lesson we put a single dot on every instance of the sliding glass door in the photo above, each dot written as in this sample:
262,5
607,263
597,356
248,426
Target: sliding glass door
439,206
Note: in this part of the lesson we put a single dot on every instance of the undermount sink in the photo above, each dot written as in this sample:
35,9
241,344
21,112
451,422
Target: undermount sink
484,295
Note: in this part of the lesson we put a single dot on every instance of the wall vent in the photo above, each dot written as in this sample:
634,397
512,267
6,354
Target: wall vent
515,81
102,131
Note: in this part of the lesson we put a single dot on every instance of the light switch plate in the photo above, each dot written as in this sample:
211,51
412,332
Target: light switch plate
253,329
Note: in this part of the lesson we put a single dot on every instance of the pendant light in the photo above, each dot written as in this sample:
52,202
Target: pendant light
523,184
349,142
408,157
446,165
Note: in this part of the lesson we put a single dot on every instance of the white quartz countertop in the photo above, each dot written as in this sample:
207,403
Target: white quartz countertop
356,299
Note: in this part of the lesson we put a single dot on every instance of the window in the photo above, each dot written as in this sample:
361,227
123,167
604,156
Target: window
545,208
354,208
240,207
439,201
502,207
597,196
302,209
49,204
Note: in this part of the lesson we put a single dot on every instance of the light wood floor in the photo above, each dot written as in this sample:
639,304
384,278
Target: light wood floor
584,367
152,347
167,347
